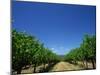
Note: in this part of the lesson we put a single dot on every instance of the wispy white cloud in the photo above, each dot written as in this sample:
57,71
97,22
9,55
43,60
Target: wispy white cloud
60,50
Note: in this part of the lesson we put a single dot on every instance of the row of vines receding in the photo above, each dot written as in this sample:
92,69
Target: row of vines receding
27,50
85,53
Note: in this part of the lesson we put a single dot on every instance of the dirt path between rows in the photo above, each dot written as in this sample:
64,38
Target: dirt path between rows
65,66
60,66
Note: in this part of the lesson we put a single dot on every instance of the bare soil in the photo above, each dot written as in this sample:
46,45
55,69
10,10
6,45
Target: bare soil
60,66
65,66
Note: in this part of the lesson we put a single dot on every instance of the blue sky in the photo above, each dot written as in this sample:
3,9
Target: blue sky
60,27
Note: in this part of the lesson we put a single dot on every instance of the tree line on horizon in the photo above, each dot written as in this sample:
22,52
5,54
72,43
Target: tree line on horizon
28,50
